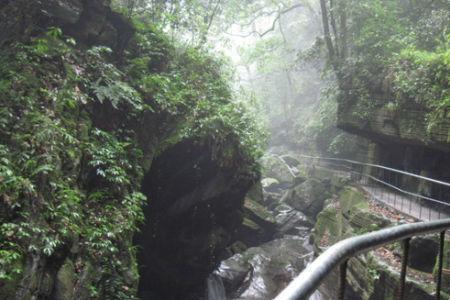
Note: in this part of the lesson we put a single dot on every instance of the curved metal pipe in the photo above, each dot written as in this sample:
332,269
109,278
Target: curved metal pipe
310,279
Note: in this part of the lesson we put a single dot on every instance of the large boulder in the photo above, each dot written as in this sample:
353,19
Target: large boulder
308,197
193,217
290,160
262,272
66,12
270,184
275,167
256,193
423,250
291,221
258,225
65,281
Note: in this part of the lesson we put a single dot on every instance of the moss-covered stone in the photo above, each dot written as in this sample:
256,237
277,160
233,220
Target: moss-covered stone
446,267
259,211
423,252
65,281
275,167
269,183
308,197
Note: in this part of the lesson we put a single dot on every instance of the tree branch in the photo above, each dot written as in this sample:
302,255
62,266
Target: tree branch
274,23
211,18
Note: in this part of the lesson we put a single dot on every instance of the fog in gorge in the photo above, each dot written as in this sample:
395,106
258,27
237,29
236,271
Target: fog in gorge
224,149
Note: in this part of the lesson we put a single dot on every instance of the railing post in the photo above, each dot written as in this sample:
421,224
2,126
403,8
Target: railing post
342,279
401,290
410,205
440,264
420,208
395,202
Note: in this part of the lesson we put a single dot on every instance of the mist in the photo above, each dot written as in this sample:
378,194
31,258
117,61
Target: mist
224,149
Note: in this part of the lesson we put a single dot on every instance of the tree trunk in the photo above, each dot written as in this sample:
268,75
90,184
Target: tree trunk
326,30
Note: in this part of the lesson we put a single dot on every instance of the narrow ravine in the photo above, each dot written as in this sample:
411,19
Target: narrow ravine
153,149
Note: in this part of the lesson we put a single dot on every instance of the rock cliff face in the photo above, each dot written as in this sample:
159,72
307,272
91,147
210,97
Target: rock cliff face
78,144
194,211
399,135
90,22
384,122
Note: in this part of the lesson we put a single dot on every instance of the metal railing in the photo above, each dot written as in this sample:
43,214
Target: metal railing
418,196
338,255
378,179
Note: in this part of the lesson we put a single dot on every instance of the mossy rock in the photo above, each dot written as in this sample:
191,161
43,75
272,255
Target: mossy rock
238,247
259,211
65,281
275,167
256,192
368,277
423,252
366,221
290,160
269,183
352,199
248,223
331,226
446,267
308,197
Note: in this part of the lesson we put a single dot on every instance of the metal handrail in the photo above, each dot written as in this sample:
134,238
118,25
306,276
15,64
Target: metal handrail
311,278
447,184
403,191
439,202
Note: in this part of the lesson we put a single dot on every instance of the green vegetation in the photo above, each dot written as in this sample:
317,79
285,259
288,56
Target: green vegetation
84,111
422,77
74,141
388,51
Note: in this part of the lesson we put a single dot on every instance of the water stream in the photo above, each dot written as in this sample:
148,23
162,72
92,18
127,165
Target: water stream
215,288
316,296
260,272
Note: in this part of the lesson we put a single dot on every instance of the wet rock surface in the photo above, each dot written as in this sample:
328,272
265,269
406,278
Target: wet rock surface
308,197
291,221
91,22
421,250
262,272
194,213
275,167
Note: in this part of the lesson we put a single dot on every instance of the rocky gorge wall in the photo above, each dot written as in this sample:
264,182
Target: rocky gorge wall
400,138
89,133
